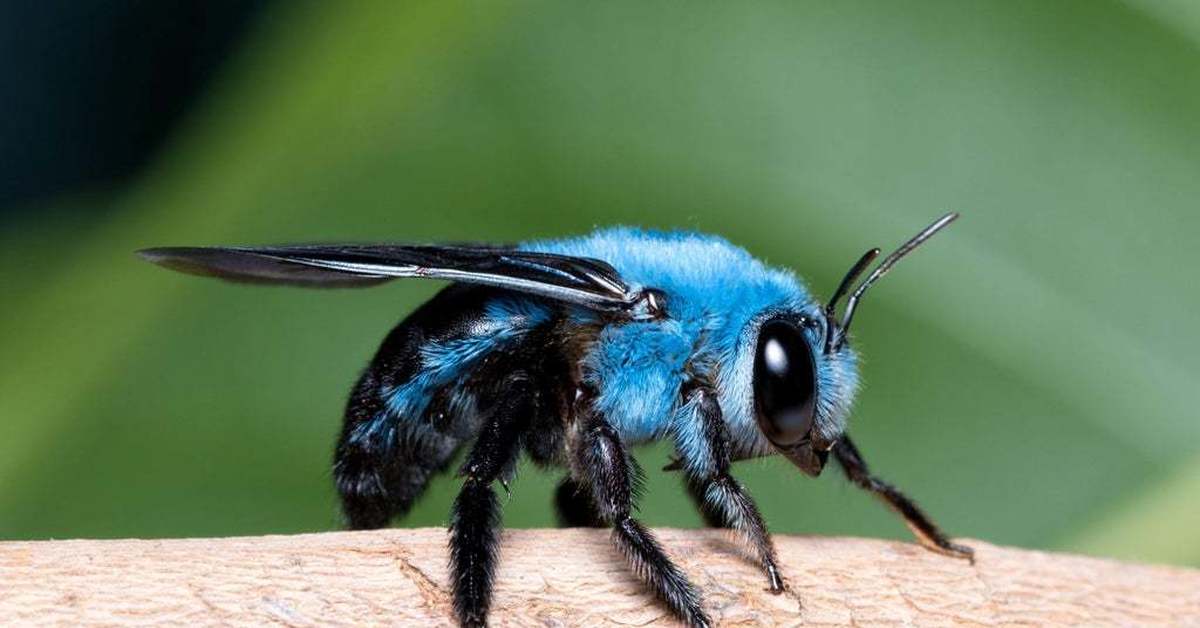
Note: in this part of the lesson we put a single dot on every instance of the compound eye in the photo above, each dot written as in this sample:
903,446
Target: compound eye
784,383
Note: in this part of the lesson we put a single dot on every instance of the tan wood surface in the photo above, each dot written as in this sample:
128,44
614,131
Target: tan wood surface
570,578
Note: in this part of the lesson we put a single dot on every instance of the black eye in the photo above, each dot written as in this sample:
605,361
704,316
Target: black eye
784,383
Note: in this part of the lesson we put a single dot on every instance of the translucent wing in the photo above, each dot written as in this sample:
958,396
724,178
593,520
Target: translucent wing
578,280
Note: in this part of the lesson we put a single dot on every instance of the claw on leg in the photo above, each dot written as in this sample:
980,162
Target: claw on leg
927,533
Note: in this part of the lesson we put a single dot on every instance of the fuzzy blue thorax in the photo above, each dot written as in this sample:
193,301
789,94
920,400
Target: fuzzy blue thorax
718,296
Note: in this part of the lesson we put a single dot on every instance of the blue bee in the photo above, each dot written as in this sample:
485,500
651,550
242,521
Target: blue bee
572,351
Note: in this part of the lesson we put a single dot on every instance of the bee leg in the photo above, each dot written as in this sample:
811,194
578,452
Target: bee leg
698,492
475,516
922,527
722,500
574,505
612,475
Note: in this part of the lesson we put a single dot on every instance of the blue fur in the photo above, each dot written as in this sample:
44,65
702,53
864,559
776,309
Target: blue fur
718,296
637,368
448,363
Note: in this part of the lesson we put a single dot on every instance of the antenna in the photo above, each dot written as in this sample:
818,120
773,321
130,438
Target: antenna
853,274
842,288
880,270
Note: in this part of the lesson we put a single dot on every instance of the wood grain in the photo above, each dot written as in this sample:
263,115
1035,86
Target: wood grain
570,578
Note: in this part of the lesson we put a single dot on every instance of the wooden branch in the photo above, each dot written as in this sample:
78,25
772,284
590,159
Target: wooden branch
569,578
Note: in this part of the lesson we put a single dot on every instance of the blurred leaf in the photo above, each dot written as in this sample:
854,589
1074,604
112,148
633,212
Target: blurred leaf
1028,374
1158,525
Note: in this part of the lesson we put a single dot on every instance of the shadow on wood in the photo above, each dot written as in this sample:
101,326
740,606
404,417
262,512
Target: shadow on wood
569,578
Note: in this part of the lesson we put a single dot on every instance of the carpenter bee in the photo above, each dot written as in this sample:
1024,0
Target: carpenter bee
571,351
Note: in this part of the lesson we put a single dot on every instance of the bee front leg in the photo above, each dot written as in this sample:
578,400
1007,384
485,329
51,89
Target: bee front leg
723,502
610,474
925,530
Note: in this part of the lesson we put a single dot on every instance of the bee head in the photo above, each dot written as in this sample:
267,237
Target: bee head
804,372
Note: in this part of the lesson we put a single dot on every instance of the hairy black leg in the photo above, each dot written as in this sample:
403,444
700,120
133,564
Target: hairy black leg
723,501
925,530
474,540
475,517
574,506
612,476
698,491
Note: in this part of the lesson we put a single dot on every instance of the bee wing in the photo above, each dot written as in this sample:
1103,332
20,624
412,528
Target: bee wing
579,280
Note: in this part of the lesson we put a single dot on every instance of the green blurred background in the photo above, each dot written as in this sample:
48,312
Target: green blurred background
1030,376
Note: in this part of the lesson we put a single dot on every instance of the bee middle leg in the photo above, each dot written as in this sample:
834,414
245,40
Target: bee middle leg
611,475
922,527
722,500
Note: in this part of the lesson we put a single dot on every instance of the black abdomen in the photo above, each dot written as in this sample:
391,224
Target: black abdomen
383,461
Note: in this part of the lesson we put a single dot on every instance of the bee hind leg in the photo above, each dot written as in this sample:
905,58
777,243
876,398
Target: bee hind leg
475,516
